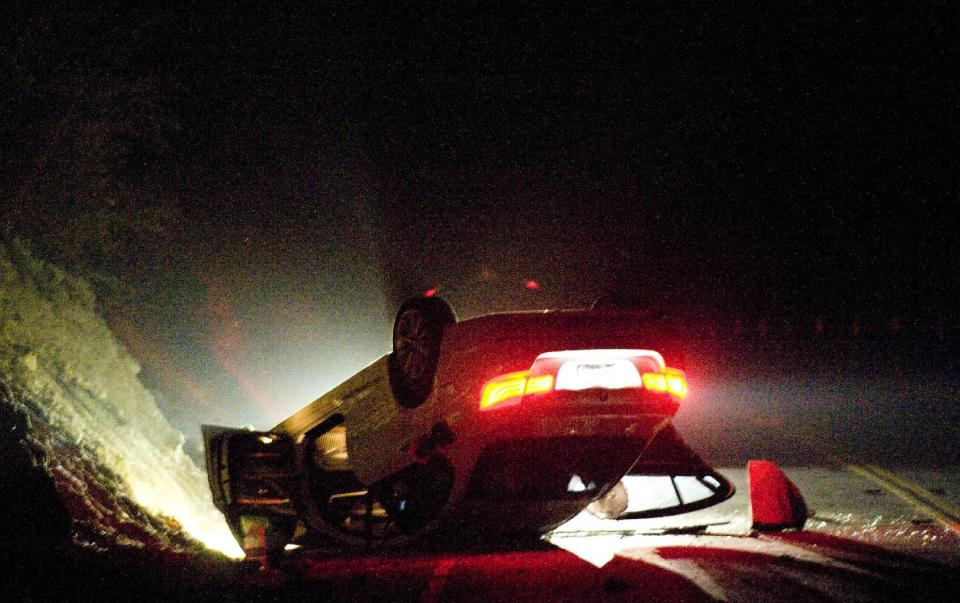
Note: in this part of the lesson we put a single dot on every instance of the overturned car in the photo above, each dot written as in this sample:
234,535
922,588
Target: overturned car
501,424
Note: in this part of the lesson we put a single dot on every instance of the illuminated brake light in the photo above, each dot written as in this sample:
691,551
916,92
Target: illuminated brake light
504,390
541,384
656,382
676,382
507,390
671,381
578,370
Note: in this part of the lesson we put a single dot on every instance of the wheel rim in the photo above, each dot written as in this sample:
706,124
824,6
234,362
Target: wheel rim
411,344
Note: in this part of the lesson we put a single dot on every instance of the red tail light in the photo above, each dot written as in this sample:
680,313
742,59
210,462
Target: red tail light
671,381
507,390
676,382
585,369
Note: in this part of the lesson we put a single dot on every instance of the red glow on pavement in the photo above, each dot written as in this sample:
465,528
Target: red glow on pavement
532,285
551,575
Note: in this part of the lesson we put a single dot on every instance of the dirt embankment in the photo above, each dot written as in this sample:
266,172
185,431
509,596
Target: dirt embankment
94,477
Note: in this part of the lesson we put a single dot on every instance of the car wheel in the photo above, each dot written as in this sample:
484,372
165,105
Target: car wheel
417,332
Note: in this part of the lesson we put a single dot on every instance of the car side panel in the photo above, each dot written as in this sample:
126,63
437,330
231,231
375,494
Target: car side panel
378,429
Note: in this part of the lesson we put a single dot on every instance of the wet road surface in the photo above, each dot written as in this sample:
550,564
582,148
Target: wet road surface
864,542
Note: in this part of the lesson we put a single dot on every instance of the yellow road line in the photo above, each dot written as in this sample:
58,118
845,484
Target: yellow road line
912,494
916,489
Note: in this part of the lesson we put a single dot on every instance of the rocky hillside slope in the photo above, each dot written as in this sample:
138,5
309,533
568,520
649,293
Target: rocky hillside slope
90,455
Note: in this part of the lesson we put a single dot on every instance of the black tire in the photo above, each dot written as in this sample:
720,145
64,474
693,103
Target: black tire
417,332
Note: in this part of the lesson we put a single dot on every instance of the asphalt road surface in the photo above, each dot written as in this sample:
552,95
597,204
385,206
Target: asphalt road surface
875,534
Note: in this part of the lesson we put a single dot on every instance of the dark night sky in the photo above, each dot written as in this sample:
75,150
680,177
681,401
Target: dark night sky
329,161
751,151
